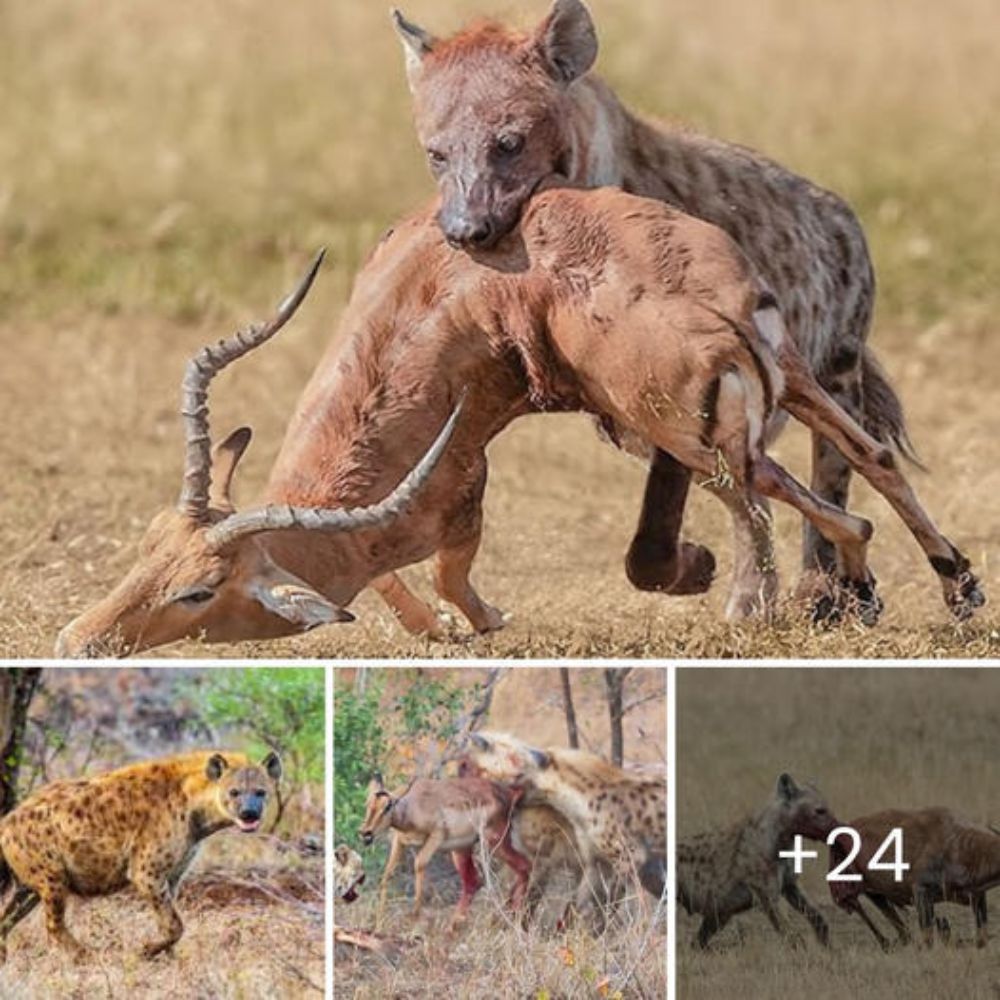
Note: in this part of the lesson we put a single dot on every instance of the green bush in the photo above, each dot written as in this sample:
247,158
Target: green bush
274,708
359,748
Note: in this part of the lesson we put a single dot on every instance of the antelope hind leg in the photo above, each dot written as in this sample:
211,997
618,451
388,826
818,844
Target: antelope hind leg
415,615
805,399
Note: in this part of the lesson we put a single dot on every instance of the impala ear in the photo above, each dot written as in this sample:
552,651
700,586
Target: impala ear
566,41
539,758
293,599
479,742
416,44
225,458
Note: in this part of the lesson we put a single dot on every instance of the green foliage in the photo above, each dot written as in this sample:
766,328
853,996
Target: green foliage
359,748
278,708
429,706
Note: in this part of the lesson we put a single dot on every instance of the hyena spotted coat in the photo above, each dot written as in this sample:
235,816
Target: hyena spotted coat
140,825
725,872
499,113
619,819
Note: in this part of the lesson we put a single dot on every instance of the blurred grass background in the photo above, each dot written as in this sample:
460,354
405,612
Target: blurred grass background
166,157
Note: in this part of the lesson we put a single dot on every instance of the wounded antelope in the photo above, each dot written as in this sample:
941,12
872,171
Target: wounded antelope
600,302
950,859
449,814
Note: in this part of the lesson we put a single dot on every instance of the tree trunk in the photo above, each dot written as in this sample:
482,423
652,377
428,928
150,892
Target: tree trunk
17,687
572,732
614,682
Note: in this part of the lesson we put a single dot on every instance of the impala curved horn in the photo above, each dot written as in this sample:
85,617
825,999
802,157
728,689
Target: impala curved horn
200,371
277,517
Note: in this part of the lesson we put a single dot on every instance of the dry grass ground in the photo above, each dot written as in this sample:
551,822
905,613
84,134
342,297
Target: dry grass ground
872,739
165,171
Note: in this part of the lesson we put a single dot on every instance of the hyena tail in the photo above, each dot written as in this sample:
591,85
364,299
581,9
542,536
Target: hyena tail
883,411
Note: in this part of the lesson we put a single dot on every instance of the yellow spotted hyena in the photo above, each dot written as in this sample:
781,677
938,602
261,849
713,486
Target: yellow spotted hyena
140,825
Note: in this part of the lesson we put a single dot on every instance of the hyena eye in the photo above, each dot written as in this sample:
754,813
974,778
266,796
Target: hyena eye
234,793
510,144
436,158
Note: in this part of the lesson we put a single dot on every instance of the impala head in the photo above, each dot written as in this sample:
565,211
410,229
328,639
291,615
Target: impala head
802,809
378,810
203,569
490,111
241,793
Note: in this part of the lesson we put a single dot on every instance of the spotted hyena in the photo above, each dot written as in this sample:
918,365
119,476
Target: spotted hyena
140,825
722,873
500,113
619,820
348,873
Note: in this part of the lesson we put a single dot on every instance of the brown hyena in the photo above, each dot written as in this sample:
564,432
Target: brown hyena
725,872
500,113
140,825
619,819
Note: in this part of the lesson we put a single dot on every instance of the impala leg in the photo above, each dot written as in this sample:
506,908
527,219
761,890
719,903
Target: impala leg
979,912
395,856
420,863
892,915
500,843
415,615
656,559
848,534
451,578
755,578
807,401
465,865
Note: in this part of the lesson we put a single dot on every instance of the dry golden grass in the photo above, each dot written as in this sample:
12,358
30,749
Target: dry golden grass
166,170
240,942
872,739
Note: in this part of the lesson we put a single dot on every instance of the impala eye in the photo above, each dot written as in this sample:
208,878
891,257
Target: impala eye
510,144
193,595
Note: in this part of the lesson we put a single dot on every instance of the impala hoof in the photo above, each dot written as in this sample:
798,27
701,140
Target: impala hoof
966,597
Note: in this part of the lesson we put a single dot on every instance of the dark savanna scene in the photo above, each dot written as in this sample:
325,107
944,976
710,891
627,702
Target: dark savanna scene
869,747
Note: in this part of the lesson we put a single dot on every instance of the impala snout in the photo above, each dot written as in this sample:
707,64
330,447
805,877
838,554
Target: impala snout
367,837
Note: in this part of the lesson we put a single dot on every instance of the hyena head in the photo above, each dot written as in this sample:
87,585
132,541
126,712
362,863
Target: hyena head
241,792
378,810
802,809
506,759
491,112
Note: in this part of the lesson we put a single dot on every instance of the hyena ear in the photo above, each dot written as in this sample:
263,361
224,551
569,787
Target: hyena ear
342,853
272,765
786,788
567,41
416,44
215,767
